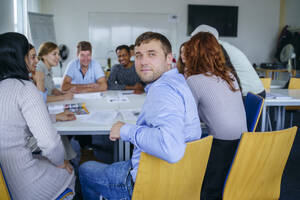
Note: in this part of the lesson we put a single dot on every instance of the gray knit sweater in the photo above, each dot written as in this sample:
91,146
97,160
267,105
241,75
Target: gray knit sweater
120,77
221,109
23,112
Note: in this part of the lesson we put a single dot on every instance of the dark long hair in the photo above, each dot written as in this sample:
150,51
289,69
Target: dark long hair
13,49
204,55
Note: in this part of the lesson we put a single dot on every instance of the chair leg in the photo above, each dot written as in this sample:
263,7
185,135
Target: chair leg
269,125
291,119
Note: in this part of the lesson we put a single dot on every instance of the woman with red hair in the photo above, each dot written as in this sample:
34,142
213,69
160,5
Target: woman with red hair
220,106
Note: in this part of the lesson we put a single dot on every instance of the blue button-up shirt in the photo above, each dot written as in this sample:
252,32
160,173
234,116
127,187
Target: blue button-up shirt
169,119
92,75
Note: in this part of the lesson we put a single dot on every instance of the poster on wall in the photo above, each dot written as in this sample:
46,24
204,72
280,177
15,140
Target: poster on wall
41,28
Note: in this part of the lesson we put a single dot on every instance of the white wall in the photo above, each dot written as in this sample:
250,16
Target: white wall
293,13
6,16
258,21
34,6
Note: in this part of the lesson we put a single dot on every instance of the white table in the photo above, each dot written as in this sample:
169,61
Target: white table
82,127
280,103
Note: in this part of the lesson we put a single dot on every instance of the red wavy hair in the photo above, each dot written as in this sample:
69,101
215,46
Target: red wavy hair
204,55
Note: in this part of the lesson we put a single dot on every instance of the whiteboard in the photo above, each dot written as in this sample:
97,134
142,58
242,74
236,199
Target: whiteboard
41,28
109,30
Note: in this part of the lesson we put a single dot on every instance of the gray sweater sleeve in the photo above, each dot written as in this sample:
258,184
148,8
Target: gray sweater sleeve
37,118
112,80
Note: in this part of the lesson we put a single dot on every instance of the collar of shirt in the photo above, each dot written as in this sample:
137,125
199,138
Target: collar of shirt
48,71
171,71
78,66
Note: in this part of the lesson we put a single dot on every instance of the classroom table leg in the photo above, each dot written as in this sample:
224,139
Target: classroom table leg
263,118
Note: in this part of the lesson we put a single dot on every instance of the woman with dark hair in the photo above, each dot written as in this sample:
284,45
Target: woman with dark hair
23,113
220,106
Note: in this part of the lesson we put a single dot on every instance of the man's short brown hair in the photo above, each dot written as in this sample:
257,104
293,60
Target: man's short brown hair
84,46
149,36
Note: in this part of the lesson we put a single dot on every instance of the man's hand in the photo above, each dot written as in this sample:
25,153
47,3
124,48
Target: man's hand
115,131
74,90
65,116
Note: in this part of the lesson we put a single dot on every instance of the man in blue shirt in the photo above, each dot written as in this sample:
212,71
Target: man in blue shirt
84,74
168,120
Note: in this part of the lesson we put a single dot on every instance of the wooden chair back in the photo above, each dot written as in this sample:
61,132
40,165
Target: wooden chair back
4,193
258,165
253,107
266,82
158,179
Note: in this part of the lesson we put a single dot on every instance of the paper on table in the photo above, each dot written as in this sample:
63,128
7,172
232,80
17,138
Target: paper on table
118,99
130,115
102,117
126,92
277,96
92,95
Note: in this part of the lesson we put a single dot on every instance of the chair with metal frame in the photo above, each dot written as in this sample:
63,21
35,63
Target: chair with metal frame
4,192
253,108
293,84
158,179
258,165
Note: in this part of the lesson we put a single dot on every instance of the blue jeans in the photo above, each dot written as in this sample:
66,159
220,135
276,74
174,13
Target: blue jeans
113,181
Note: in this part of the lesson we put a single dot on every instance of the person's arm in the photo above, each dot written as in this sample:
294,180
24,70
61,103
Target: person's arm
138,88
162,134
57,92
112,80
99,86
40,80
67,96
37,118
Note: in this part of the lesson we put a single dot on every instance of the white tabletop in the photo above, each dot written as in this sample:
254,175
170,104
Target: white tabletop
80,126
294,101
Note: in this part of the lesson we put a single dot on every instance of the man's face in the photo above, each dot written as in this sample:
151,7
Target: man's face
151,61
85,58
123,57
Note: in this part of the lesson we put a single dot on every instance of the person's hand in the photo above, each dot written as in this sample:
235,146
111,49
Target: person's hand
94,85
115,131
65,116
139,91
138,86
67,166
68,96
73,90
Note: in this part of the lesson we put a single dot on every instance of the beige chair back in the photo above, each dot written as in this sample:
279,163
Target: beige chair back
158,179
4,194
258,166
266,82
293,84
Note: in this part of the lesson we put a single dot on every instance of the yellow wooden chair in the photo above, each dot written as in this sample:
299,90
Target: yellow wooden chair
293,84
258,165
4,193
266,82
158,179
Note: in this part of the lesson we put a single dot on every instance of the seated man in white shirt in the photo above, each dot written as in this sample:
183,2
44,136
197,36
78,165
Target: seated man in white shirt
248,77
84,74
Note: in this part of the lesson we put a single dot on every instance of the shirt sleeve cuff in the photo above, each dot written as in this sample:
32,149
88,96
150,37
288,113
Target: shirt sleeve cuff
126,131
